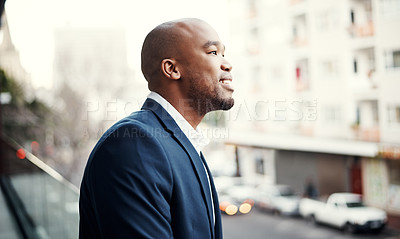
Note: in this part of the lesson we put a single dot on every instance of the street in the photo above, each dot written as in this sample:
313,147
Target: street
263,225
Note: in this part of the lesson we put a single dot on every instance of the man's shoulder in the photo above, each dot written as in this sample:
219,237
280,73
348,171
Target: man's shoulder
139,126
143,120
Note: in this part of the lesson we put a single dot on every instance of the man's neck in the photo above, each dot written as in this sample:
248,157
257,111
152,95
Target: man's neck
185,108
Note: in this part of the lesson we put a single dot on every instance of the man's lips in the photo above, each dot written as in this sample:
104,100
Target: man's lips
227,83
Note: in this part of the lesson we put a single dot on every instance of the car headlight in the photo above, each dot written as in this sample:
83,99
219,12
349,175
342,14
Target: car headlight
223,205
231,210
245,208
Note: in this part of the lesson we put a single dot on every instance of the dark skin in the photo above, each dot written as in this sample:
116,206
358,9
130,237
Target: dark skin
184,62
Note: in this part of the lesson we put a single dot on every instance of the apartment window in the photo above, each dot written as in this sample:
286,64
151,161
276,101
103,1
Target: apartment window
275,74
329,69
390,8
332,114
302,76
327,20
394,172
392,59
299,31
252,8
260,165
394,114
355,66
368,113
396,58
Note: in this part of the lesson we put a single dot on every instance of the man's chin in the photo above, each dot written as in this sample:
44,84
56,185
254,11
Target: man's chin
228,104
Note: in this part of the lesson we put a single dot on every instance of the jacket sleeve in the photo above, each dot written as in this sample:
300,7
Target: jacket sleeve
130,182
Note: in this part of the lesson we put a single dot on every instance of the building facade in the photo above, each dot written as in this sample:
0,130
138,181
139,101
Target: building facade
325,70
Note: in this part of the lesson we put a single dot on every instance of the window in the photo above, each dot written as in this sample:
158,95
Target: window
302,75
355,67
260,166
368,113
394,114
396,59
390,8
252,8
327,20
394,172
329,69
392,59
332,114
299,31
275,74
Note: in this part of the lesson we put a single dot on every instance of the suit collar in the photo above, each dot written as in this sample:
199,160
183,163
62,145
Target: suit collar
170,126
195,135
163,116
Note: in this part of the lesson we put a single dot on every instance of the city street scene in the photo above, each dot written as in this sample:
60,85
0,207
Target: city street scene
259,225
309,149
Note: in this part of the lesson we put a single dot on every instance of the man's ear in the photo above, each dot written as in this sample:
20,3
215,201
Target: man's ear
170,69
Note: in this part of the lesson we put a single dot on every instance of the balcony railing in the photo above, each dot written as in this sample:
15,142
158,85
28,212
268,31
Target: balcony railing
362,30
37,201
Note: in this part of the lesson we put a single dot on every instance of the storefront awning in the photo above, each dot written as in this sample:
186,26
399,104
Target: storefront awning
303,143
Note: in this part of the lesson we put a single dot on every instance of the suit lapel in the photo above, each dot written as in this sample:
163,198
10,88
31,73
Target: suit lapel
218,224
170,125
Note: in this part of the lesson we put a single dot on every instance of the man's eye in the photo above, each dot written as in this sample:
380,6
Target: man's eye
213,52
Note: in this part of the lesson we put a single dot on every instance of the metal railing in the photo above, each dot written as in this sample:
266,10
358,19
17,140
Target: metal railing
38,201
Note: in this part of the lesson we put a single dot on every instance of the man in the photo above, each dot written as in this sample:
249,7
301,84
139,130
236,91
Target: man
147,177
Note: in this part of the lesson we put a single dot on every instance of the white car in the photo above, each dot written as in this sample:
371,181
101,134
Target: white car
345,211
280,199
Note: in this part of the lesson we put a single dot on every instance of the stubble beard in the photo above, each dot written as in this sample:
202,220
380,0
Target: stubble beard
205,100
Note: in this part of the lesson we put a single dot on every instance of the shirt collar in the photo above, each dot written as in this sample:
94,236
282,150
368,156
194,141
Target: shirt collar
195,136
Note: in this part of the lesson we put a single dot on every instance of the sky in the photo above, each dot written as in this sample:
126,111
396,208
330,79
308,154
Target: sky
32,24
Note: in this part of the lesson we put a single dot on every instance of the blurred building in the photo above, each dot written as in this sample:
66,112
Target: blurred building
10,61
93,84
35,201
321,76
92,61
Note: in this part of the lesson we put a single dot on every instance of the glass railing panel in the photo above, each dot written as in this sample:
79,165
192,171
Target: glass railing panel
48,201
8,225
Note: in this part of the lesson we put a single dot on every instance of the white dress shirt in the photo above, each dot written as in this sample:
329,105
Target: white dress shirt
195,136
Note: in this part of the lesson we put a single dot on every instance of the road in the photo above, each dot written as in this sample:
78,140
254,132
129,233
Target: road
263,225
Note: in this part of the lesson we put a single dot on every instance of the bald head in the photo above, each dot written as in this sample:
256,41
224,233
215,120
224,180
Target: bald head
163,42
184,62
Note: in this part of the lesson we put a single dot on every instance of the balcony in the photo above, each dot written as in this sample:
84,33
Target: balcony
302,75
361,30
371,134
361,17
364,82
35,201
367,118
298,7
299,31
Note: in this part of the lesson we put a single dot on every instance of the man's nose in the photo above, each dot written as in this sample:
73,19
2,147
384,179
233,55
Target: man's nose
226,66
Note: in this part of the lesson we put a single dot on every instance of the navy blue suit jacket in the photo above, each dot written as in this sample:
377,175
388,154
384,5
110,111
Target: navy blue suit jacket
144,179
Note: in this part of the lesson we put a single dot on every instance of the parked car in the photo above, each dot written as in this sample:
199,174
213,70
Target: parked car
279,199
345,211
